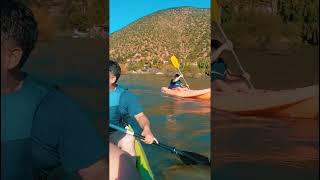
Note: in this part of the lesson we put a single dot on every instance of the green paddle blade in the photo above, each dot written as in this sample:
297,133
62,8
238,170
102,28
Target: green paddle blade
175,62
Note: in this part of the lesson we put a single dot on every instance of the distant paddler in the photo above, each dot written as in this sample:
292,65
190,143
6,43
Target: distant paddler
176,84
221,76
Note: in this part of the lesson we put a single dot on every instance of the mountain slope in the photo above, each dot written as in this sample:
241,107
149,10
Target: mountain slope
152,40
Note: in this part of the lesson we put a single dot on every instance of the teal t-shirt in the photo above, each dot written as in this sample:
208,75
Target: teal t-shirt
218,70
123,106
175,84
42,129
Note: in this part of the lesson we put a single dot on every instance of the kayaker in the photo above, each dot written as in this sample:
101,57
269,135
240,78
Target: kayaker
41,128
221,76
176,83
124,106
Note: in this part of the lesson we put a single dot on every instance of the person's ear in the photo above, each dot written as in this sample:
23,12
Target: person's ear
14,58
113,80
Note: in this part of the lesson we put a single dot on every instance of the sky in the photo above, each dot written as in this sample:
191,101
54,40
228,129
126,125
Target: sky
124,12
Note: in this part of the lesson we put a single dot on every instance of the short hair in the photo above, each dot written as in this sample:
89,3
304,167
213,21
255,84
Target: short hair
115,69
215,44
176,75
19,26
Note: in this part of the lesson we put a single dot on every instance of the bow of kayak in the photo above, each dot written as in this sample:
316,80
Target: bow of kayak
142,162
204,94
296,103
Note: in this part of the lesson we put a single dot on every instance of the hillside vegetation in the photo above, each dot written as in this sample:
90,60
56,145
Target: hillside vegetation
267,24
150,42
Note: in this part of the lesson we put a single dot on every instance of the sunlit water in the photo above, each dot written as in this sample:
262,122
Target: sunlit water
183,123
269,148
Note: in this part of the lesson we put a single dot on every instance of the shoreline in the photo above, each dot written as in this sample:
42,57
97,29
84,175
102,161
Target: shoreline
140,72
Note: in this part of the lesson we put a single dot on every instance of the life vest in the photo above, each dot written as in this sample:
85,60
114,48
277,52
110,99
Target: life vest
218,70
175,84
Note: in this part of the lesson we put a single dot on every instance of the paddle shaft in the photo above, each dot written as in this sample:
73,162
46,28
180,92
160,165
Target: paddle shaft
183,78
163,146
233,52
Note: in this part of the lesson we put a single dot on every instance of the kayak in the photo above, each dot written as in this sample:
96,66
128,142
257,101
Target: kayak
142,163
295,103
195,94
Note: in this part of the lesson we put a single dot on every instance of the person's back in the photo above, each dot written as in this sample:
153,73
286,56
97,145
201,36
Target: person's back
37,132
218,71
175,83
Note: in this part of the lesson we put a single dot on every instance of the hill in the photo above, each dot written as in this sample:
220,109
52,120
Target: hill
149,42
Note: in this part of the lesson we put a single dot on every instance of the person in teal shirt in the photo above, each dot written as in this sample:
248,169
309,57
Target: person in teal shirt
176,83
41,128
222,78
123,106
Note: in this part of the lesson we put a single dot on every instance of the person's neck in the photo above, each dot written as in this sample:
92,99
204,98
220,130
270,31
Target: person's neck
113,87
13,82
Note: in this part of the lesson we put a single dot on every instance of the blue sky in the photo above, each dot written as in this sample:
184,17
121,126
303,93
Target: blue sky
124,12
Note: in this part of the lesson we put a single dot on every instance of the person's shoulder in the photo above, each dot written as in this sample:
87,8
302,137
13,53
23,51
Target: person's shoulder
219,60
40,85
127,94
49,90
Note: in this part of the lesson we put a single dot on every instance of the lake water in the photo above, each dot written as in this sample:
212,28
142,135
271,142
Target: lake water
269,148
183,123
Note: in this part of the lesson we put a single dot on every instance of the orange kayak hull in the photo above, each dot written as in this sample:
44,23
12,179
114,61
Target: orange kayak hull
296,103
204,94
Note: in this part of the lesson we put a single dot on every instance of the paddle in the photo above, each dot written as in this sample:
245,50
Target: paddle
176,64
217,18
188,158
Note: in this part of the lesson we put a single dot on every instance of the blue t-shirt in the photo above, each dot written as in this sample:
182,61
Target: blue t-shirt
218,70
42,129
123,105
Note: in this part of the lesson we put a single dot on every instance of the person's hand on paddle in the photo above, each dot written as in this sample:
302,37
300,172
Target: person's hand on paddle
246,75
228,45
148,136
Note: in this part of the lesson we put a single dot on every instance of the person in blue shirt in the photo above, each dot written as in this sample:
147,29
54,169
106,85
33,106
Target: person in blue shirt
222,78
124,106
176,83
42,128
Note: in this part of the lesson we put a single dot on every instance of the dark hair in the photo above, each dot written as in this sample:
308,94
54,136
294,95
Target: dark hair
115,69
18,25
176,75
215,43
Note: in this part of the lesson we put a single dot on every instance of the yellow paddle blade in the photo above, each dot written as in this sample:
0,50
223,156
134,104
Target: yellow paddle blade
215,10
175,62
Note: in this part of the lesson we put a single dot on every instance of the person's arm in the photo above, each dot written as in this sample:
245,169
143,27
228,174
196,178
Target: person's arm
216,53
233,76
130,105
144,123
177,78
226,46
